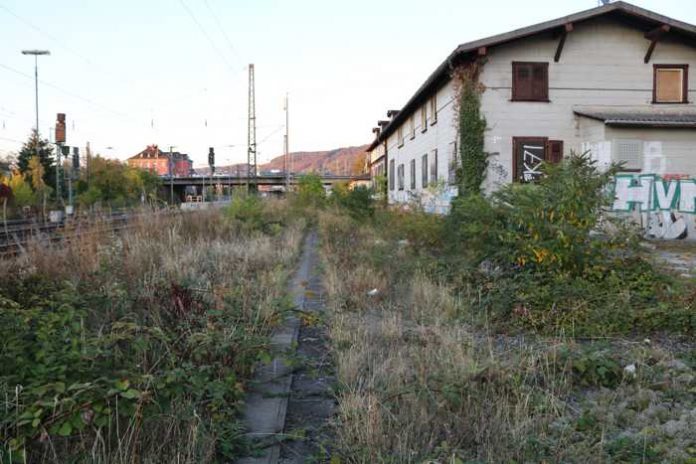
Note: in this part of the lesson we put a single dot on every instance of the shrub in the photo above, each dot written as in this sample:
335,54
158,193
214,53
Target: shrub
423,231
358,202
251,213
310,191
552,264
137,349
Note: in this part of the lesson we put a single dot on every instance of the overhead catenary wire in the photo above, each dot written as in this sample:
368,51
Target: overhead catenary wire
231,46
229,58
207,36
93,66
72,94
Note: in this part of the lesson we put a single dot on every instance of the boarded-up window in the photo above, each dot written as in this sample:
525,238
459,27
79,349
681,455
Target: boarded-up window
413,174
530,81
529,155
400,136
433,166
433,109
424,170
391,174
629,153
454,163
424,118
412,127
400,176
671,84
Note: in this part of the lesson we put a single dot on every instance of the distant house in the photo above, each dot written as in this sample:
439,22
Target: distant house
613,80
155,160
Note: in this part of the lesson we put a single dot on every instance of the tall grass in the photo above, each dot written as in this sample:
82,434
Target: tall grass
136,346
418,383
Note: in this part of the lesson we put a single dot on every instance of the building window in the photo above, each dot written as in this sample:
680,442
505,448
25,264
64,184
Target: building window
413,174
424,170
391,174
433,167
400,176
530,81
400,136
529,154
671,83
629,153
412,127
454,163
424,118
433,109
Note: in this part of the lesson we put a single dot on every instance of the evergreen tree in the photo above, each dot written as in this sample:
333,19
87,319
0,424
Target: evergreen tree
45,153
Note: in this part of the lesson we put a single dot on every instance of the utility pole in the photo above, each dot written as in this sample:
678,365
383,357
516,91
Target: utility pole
171,175
251,131
286,147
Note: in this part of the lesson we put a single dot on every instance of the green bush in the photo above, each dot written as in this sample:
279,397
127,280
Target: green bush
252,213
78,380
358,202
310,191
544,259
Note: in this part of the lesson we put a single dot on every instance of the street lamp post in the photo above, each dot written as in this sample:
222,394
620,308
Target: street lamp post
36,54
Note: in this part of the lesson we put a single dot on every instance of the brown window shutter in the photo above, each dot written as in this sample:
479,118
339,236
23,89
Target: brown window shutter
554,151
540,82
522,86
530,81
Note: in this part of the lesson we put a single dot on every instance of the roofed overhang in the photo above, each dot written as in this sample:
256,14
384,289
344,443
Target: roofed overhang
652,24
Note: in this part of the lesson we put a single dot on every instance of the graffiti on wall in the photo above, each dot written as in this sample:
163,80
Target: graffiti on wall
665,206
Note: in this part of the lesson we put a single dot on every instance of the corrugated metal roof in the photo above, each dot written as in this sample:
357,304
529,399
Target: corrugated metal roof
656,118
441,75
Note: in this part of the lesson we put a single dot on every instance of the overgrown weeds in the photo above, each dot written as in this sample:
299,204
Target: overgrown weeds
424,379
546,256
137,347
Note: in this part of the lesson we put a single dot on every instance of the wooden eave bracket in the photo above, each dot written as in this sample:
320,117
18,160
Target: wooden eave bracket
654,36
568,27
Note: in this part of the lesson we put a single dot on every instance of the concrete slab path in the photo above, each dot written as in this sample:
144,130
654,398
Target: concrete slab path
291,401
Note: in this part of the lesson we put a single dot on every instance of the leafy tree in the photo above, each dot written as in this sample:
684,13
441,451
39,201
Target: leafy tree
111,181
45,154
5,195
22,193
36,174
310,190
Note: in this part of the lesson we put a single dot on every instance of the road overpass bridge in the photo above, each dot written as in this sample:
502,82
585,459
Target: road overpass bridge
272,180
197,185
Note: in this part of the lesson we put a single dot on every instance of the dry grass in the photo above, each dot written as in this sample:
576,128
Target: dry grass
131,279
417,384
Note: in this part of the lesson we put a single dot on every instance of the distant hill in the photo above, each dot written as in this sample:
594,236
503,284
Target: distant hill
347,160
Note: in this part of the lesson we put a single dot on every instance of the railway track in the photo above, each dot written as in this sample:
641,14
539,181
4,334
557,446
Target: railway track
19,234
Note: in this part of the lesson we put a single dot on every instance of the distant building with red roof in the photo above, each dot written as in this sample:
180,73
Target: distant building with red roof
157,161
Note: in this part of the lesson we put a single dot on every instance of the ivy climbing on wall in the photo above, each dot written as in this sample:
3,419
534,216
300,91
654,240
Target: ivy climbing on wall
473,159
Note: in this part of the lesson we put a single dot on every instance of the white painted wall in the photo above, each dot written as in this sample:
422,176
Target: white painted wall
441,136
665,151
601,64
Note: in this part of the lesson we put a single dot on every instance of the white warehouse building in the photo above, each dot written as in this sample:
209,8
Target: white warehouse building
613,80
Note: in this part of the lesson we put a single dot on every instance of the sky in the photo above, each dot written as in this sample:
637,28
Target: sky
175,72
